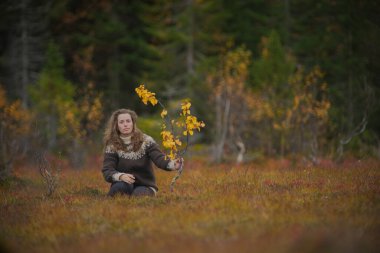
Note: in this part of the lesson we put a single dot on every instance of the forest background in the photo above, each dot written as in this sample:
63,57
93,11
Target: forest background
296,79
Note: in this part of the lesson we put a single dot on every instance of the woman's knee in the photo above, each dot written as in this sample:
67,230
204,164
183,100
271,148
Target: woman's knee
143,191
120,188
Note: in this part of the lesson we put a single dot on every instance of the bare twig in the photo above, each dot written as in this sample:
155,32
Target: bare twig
176,177
50,172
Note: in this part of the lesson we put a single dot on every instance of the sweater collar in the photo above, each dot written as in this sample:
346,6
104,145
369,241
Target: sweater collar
126,140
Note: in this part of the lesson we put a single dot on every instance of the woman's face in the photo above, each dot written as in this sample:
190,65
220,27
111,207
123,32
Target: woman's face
125,124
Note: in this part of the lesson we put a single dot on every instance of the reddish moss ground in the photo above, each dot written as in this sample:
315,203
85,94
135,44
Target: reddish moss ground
267,207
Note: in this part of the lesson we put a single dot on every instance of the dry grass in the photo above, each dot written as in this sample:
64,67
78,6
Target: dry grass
251,208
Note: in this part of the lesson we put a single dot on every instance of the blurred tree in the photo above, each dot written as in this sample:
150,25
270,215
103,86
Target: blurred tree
293,109
14,126
65,116
341,37
230,98
104,43
81,119
24,27
175,32
247,21
186,32
173,46
189,39
271,73
51,95
306,119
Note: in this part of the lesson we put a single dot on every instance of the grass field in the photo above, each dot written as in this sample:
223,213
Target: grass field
267,207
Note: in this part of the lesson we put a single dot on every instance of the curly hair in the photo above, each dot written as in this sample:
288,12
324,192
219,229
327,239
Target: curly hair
112,133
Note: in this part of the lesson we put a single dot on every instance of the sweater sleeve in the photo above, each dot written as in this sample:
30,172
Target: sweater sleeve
158,157
110,164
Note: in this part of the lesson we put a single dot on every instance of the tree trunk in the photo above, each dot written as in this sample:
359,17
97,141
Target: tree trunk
51,132
77,154
8,150
241,151
349,98
223,127
114,77
287,22
24,54
190,43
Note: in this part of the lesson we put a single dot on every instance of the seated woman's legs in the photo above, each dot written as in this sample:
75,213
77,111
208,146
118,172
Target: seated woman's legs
120,188
143,191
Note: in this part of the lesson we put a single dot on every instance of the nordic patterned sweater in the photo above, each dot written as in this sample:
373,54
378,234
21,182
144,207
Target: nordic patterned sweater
138,163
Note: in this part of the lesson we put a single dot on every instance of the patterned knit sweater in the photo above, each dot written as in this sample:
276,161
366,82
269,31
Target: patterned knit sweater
138,163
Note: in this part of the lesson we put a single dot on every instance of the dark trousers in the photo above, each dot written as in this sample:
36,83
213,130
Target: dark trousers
122,188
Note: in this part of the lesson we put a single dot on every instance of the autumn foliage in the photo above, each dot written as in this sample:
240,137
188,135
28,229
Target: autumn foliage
281,110
186,122
14,126
69,116
230,97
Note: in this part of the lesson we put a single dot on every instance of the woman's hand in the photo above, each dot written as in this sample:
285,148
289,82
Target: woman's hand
128,178
178,163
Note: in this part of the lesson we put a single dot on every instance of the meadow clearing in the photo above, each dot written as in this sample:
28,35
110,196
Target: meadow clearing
257,207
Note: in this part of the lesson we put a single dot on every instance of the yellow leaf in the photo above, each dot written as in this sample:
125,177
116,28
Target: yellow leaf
164,113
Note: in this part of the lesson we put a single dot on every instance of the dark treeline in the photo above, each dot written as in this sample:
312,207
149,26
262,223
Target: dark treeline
273,77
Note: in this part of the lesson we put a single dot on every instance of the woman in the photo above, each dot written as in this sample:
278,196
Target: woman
128,157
